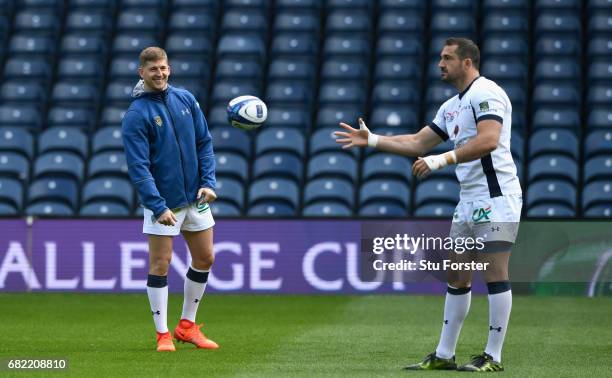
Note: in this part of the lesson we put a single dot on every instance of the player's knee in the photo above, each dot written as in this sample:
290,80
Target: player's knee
160,265
460,284
496,274
204,262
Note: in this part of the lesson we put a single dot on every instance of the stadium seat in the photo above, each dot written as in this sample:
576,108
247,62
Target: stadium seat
385,190
272,209
553,166
279,139
599,48
599,95
348,22
62,190
383,210
288,92
504,23
508,69
512,46
108,189
28,68
85,70
110,163
387,166
70,116
49,208
331,164
224,209
301,21
224,91
597,193
330,189
349,4
400,21
330,116
437,94
557,118
107,139
20,116
557,5
347,45
272,189
393,92
230,191
17,139
244,46
243,21
398,46
103,209
7,210
452,22
63,139
291,69
288,116
600,72
599,211
294,45
233,68
559,95
551,211
600,117
344,69
74,44
124,69
324,140
558,45
59,164
131,44
558,22
89,21
230,139
278,164
75,94
232,165
395,68
139,20
437,190
188,44
112,116
550,192
555,141
211,6
11,193
598,142
23,93
598,168
38,22
556,71
435,210
401,5
194,68
342,93
600,23
14,165
188,21
326,209
393,116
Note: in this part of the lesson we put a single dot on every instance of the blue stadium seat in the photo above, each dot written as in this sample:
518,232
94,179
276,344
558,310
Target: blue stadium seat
49,208
119,93
224,209
452,22
344,69
330,189
14,165
231,191
505,23
280,140
195,68
273,189
112,116
305,5
232,165
384,190
291,69
437,190
59,164
241,20
302,21
278,164
70,116
600,72
233,68
124,68
393,92
553,166
346,45
89,21
326,209
20,116
599,95
553,141
599,48
393,116
453,5
11,193
387,166
348,22
75,94
342,93
199,91
330,164
551,211
7,210
107,139
108,164
23,93
598,211
28,68
597,168
496,5
224,91
558,22
245,46
104,209
272,209
211,6
349,4
131,44
108,189
294,45
15,139
383,210
435,210
188,21
62,190
550,192
598,142
107,5
398,5
160,5
511,69
331,115
558,45
216,116
557,70
436,94
38,22
289,92
63,139
600,23
556,118
188,44
398,46
400,21
511,46
517,146
138,20
557,5
82,70
597,193
324,140
394,68
600,117
229,139
288,117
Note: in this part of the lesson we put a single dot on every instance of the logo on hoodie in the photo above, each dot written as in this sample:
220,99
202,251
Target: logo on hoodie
158,121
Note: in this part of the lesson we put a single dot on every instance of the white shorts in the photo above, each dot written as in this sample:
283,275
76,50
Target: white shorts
492,219
191,218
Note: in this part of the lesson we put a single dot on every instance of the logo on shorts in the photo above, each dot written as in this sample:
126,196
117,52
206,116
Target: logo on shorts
158,121
481,215
203,207
484,106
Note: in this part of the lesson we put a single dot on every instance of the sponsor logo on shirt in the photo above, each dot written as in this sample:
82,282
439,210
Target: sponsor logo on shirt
158,121
484,106
481,215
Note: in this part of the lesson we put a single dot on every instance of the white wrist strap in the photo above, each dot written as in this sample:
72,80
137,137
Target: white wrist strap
435,162
372,139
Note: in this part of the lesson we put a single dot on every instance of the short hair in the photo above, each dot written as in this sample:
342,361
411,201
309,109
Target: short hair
152,54
466,49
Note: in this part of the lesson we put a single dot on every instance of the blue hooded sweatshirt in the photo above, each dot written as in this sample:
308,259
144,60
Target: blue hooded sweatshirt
168,148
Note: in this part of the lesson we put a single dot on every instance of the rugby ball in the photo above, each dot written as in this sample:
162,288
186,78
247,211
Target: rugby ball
246,112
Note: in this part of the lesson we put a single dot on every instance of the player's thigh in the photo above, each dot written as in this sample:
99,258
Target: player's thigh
200,245
497,257
160,251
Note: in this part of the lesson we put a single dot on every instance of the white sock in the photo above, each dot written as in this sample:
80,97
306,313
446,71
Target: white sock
195,284
500,304
157,290
456,308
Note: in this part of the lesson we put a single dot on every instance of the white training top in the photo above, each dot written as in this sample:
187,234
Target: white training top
493,175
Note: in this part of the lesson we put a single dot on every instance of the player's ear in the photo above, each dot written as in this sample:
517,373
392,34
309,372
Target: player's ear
140,72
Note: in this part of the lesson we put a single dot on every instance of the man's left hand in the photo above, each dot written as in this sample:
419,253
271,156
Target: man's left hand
206,195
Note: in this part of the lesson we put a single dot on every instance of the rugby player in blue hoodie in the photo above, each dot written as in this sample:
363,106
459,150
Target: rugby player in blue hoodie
171,164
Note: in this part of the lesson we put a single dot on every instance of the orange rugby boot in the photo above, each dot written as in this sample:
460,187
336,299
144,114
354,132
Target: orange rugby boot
164,342
189,332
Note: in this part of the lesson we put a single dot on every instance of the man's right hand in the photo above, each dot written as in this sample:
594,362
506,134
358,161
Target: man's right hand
167,218
353,137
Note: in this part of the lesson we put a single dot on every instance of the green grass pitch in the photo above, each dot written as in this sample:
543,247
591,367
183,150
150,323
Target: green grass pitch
112,335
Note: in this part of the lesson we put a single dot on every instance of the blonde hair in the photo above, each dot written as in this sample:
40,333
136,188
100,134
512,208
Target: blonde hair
152,54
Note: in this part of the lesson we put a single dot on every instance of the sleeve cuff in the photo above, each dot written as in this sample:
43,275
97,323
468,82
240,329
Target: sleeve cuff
490,116
439,131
